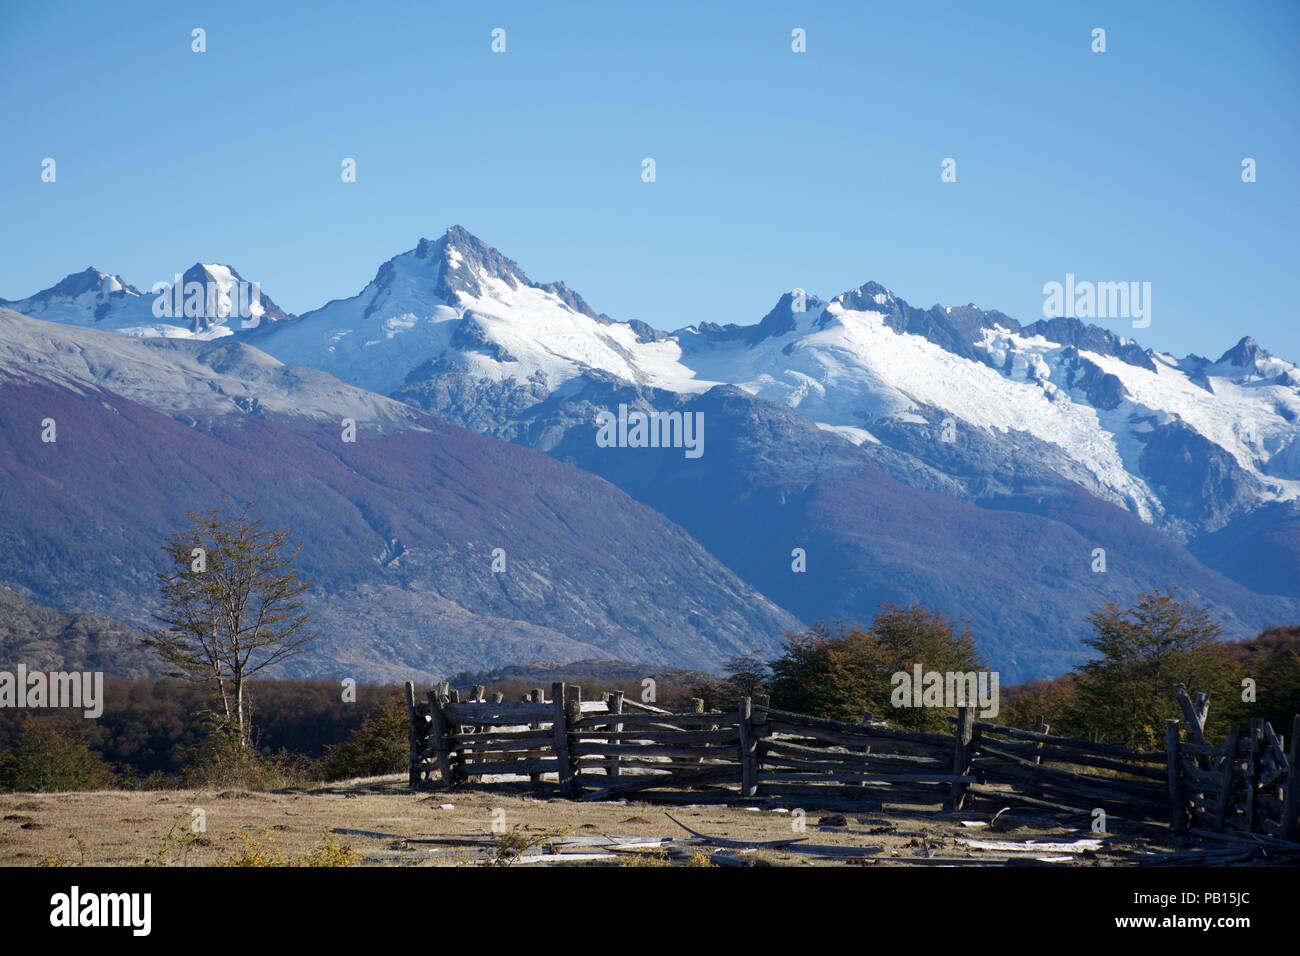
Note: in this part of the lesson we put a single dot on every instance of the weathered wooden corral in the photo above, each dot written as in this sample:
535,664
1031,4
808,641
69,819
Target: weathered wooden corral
615,747
1242,784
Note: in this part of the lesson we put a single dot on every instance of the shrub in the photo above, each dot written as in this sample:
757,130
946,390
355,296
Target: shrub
49,756
329,853
379,746
219,760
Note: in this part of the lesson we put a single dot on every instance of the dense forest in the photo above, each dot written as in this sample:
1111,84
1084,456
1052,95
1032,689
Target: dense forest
160,732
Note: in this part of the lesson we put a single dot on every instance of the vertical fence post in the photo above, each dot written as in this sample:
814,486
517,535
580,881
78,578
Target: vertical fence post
1226,778
1291,802
438,738
460,730
1254,767
537,697
1177,806
748,749
1042,727
560,738
758,730
413,739
453,697
961,756
695,705
1194,715
615,707
573,714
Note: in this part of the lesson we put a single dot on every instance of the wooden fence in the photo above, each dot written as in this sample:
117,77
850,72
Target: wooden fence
1243,783
1069,773
615,747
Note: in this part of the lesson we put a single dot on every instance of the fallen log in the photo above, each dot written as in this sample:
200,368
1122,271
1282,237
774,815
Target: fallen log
734,844
1033,846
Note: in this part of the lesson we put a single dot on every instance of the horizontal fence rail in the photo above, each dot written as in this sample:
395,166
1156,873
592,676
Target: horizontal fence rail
615,747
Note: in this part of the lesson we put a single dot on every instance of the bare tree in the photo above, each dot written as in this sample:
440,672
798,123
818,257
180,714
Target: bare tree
231,607
747,674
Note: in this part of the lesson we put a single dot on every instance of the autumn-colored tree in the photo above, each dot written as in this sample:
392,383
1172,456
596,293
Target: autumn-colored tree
824,671
1272,662
1023,705
1126,693
846,672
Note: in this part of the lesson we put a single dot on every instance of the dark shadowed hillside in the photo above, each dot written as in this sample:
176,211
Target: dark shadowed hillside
48,640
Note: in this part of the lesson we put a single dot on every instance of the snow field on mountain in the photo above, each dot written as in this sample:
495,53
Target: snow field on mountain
1242,419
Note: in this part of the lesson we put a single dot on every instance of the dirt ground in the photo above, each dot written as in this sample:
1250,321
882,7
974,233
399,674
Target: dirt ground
473,826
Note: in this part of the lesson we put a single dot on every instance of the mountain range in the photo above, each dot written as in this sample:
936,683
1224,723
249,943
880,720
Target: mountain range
948,455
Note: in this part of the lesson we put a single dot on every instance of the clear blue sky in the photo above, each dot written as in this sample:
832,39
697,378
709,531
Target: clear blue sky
775,169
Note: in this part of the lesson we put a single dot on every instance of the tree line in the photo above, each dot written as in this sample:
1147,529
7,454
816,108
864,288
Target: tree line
1122,694
232,609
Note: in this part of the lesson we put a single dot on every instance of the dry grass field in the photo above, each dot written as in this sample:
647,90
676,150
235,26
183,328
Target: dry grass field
299,827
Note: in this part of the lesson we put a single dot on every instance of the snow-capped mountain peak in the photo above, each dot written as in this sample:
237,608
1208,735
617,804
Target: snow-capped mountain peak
230,302
207,300
1244,354
89,280
1247,362
455,305
466,261
868,294
82,298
